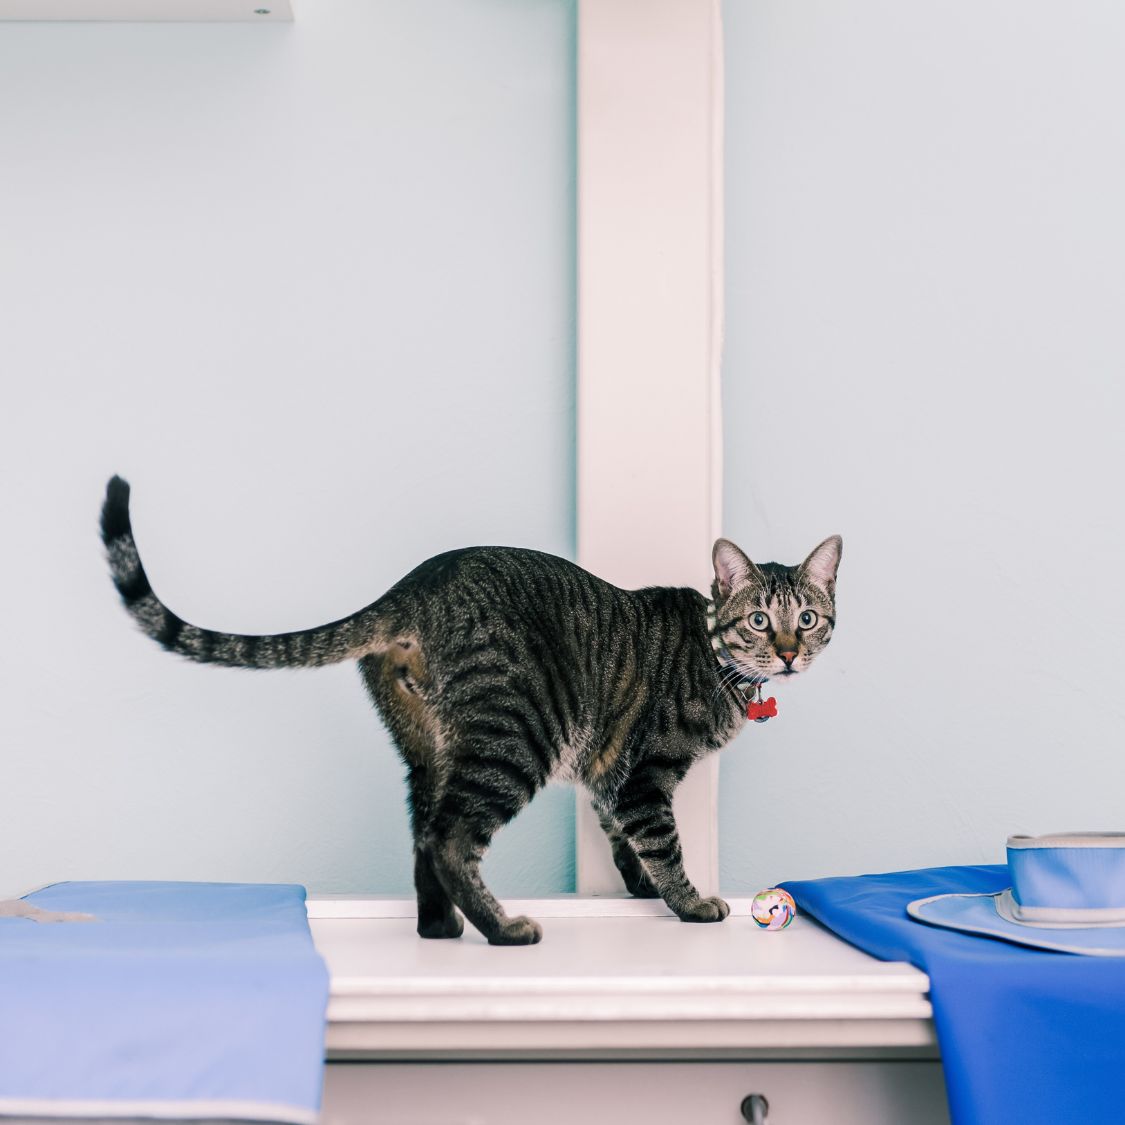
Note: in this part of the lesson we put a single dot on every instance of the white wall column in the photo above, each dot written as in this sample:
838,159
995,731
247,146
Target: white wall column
650,303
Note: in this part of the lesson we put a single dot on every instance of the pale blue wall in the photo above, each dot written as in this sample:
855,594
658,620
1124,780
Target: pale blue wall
924,353
311,288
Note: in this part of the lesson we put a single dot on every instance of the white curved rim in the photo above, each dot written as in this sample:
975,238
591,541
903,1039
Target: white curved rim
1070,840
1014,933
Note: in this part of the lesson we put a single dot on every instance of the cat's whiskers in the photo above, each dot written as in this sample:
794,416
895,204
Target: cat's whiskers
728,679
724,683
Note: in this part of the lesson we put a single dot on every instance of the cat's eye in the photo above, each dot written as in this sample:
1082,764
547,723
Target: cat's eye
807,619
759,621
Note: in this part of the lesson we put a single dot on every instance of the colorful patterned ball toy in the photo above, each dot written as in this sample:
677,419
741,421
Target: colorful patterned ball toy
773,909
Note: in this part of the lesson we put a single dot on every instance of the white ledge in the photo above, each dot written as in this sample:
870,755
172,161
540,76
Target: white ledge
612,978
551,906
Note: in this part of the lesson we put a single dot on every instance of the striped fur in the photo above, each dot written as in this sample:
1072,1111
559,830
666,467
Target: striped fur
498,670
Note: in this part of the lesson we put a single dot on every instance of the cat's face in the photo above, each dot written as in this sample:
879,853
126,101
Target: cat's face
775,619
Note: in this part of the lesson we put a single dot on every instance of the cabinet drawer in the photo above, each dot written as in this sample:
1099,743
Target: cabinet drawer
649,1093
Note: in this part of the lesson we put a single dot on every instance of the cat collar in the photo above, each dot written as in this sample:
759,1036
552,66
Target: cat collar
748,687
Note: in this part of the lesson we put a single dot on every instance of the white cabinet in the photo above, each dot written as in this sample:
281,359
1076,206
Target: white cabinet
622,1014
667,1093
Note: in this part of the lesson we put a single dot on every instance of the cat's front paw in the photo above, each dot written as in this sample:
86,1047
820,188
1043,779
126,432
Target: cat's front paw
517,931
712,909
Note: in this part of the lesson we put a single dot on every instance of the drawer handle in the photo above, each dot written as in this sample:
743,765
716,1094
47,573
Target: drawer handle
756,1109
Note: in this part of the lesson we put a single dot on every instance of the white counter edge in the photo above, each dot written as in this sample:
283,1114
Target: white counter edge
440,1016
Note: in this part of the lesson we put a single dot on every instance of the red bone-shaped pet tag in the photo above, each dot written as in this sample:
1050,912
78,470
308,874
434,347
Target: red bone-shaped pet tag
759,710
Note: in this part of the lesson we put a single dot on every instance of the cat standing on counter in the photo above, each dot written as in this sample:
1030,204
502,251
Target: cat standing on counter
498,669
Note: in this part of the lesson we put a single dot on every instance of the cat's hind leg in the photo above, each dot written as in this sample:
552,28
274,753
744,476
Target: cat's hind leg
636,879
490,776
437,916
398,681
456,863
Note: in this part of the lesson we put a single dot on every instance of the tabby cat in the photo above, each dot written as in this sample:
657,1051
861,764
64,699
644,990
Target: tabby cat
498,669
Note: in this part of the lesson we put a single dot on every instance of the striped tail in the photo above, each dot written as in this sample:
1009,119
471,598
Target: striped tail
347,639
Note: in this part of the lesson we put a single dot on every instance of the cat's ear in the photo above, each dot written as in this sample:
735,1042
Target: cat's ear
821,566
732,568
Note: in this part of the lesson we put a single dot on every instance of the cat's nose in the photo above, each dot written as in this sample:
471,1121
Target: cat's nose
788,657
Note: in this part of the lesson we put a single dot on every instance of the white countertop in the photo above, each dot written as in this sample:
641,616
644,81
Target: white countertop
611,978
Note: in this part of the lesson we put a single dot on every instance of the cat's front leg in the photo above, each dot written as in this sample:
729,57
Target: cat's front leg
644,814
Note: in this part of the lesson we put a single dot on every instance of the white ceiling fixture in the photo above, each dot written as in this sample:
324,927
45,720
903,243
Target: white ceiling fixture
148,11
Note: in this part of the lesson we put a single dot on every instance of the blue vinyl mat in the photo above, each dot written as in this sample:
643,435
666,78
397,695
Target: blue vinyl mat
1027,1036
178,999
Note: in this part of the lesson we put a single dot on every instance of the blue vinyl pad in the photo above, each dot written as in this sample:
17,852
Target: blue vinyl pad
179,999
1028,1036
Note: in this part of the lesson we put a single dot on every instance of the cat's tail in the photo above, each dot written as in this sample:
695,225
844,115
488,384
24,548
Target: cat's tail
347,639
